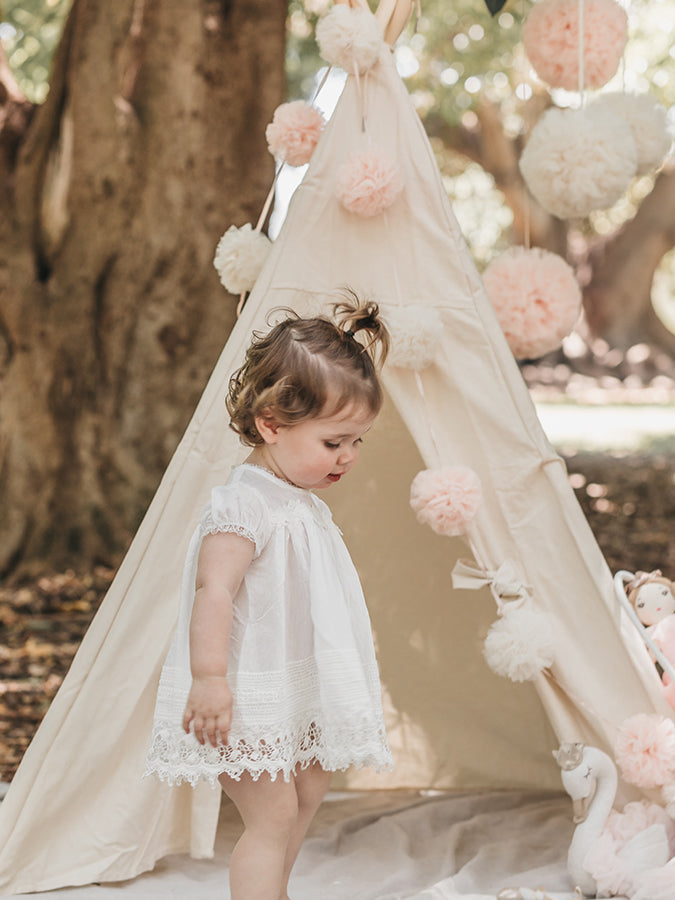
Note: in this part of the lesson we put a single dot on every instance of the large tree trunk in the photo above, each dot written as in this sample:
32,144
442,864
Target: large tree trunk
617,298
150,143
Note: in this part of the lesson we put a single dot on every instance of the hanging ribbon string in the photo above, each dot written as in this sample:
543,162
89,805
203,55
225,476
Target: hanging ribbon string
430,426
526,219
582,99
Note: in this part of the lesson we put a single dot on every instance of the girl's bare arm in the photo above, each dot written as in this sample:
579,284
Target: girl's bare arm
223,561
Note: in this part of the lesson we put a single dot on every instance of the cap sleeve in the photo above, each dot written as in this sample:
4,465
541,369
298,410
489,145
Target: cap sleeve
239,509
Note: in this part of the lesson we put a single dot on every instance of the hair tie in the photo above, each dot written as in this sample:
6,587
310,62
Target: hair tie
348,333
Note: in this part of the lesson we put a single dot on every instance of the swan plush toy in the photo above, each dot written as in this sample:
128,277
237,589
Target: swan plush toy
614,853
653,598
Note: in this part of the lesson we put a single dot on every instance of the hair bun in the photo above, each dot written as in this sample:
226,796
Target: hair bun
353,315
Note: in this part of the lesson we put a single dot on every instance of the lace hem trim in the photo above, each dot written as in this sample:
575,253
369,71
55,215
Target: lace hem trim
176,757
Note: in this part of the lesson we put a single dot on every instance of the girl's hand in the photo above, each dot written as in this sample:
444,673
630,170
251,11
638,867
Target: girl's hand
209,709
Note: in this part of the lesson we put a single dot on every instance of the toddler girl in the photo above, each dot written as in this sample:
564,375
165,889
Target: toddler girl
272,671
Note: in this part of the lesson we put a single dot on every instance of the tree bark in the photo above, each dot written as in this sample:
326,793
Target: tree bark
617,298
114,194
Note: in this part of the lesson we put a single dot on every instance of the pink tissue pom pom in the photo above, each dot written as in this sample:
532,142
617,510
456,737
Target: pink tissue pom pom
551,41
536,298
645,750
368,183
637,816
446,499
294,132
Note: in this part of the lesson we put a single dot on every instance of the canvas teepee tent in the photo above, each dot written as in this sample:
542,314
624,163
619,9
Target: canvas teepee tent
79,811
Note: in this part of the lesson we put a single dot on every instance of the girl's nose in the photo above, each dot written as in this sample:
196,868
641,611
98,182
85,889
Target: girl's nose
349,455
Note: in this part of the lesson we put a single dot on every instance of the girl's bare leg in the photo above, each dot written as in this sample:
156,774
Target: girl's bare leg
269,810
311,785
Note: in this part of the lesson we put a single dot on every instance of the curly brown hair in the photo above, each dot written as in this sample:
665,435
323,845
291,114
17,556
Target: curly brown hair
304,367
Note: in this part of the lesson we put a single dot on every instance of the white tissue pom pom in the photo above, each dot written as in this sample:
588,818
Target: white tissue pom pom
520,644
446,499
536,297
415,333
648,124
349,38
240,255
368,183
579,160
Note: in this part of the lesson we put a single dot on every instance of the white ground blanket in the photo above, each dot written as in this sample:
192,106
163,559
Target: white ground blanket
391,846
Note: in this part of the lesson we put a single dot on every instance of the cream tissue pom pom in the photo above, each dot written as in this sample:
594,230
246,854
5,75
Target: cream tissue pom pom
579,160
349,38
648,124
368,183
240,255
520,644
415,333
294,132
551,41
645,750
536,297
446,499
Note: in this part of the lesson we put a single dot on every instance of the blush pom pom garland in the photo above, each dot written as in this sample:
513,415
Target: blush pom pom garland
579,160
536,297
647,121
349,38
446,499
368,183
240,255
645,750
551,41
520,644
294,132
415,335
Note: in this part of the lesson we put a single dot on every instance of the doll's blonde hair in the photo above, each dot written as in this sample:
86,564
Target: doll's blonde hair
306,367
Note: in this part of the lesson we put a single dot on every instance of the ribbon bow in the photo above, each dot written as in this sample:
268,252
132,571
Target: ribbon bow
504,581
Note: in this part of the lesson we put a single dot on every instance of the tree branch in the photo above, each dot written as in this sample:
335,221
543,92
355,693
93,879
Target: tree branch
487,144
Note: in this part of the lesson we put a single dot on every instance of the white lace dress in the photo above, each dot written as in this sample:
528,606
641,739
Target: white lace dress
302,665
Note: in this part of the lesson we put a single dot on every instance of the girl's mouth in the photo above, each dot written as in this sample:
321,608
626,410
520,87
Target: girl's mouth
334,478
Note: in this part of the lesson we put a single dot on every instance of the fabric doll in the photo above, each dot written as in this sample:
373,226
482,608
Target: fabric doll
653,599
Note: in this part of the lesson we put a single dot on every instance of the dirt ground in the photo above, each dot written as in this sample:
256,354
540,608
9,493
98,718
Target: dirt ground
629,500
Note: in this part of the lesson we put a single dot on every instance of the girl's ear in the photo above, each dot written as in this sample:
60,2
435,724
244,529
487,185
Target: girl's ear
267,427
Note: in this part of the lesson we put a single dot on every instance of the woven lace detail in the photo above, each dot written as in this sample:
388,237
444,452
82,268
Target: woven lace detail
177,757
208,526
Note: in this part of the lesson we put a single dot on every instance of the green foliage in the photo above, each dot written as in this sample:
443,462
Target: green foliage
459,55
30,31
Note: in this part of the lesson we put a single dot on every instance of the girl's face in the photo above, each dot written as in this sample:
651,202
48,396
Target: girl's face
316,453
